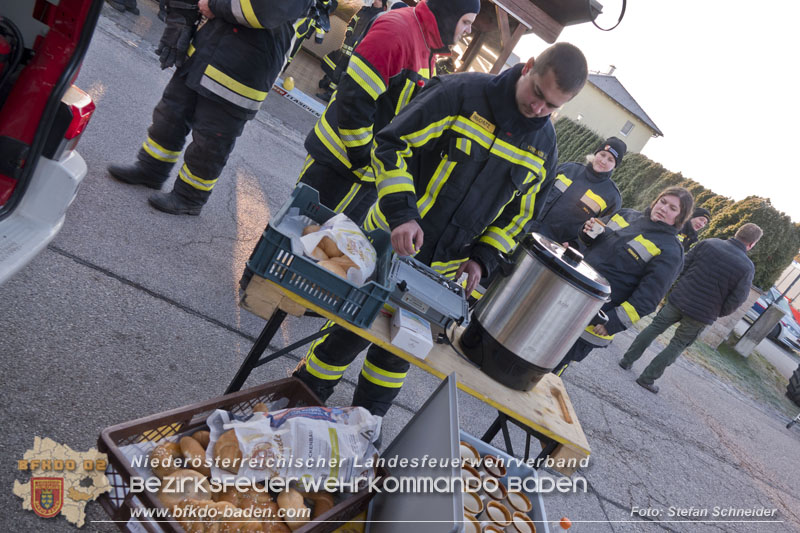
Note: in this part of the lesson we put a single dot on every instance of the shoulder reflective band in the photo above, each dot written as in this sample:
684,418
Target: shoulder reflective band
627,314
644,248
617,223
562,182
594,202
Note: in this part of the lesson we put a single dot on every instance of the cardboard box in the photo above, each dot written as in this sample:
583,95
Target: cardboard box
411,333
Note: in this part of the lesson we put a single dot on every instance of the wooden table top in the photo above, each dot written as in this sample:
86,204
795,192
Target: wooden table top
546,408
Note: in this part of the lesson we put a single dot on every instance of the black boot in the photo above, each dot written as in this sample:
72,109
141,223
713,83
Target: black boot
137,174
174,204
119,6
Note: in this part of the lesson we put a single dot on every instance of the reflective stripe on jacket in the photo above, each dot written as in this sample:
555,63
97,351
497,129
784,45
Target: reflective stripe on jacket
463,161
388,66
236,56
577,194
640,259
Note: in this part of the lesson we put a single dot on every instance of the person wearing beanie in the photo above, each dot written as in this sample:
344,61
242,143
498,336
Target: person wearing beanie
688,235
390,65
581,192
458,173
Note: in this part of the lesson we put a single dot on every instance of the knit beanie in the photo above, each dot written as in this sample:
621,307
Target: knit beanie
615,147
701,212
449,12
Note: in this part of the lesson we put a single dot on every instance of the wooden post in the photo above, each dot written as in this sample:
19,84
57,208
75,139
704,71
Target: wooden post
472,51
519,31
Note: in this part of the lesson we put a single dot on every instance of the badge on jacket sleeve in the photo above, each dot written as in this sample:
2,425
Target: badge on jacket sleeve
482,122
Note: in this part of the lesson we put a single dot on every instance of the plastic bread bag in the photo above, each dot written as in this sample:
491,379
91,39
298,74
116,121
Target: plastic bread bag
295,443
351,243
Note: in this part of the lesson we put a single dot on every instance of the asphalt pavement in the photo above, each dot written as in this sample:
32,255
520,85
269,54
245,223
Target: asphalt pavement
131,312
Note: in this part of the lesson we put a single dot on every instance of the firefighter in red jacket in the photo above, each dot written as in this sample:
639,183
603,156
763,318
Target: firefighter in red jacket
392,62
224,71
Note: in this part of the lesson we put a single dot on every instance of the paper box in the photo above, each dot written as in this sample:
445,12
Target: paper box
411,333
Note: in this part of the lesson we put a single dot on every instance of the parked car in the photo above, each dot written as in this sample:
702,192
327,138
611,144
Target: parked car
42,117
787,331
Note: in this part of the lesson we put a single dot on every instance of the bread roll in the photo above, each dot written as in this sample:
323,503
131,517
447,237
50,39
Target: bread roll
182,485
195,455
311,228
162,458
227,454
260,407
336,268
319,254
345,262
291,499
328,246
203,437
323,502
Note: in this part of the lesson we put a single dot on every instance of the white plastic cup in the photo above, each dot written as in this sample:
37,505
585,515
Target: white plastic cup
493,466
596,228
469,455
471,524
473,504
492,489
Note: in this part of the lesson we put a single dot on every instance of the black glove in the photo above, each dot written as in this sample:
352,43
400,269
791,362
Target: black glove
181,25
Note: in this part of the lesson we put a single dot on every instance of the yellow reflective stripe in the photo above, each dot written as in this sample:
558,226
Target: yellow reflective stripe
366,77
596,339
449,268
425,73
517,156
598,199
435,185
190,50
249,14
474,131
328,137
497,238
357,137
630,311
159,152
329,62
198,183
648,245
309,161
348,198
617,222
405,96
235,86
375,219
392,185
431,131
566,180
525,215
383,378
465,145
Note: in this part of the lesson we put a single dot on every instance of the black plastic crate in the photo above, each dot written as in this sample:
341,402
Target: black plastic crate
274,260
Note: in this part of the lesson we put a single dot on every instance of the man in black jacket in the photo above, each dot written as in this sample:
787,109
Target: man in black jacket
715,281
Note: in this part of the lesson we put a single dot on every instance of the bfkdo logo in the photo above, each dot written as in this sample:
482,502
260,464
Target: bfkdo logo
47,495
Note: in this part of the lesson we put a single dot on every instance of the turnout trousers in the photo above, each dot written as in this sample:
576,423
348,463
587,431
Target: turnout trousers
214,132
578,352
688,330
381,377
338,191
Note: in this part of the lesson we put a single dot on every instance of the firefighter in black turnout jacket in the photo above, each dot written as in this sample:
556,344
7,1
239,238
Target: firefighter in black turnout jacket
388,67
640,256
458,173
581,192
224,71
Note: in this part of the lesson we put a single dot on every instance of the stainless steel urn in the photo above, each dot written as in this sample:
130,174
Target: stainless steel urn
526,322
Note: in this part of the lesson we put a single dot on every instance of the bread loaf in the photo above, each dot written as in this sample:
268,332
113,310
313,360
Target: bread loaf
195,455
184,484
162,458
319,254
291,499
336,268
227,454
328,246
311,228
203,437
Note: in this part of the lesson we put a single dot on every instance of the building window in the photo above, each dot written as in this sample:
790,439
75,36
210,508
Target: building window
626,129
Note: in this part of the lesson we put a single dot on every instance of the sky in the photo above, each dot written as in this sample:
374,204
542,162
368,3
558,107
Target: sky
720,79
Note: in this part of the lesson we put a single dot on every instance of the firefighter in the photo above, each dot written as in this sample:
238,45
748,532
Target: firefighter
317,25
581,192
224,71
688,235
458,172
334,63
386,69
640,256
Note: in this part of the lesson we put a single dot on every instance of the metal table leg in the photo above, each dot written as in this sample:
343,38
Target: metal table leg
261,344
501,423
